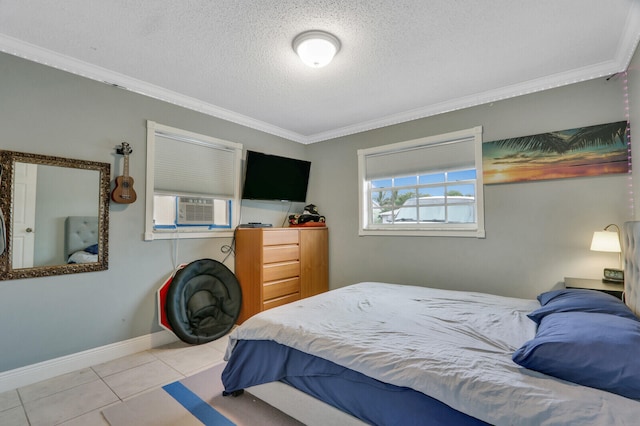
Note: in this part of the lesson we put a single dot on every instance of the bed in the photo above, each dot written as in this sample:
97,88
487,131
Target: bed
81,239
392,354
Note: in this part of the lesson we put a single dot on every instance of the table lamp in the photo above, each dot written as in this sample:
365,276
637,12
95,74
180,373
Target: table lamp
609,241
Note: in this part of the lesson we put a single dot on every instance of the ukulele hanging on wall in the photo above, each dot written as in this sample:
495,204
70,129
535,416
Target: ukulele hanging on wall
123,192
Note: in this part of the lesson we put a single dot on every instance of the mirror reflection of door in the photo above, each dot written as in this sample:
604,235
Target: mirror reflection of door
24,215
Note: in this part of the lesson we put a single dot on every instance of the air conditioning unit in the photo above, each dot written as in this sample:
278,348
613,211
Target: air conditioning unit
195,211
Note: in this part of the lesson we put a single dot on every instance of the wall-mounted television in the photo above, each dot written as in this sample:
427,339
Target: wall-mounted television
271,177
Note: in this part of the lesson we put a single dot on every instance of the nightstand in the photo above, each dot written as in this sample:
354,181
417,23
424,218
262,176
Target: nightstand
613,289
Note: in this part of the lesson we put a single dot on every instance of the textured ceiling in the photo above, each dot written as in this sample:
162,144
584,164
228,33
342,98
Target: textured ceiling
400,60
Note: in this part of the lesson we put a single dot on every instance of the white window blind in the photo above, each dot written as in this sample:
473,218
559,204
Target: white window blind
193,168
458,154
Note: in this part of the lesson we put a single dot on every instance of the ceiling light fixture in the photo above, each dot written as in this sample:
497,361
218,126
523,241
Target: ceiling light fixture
316,48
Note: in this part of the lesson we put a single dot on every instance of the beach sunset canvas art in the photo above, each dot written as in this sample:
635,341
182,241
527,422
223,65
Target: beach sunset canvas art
585,151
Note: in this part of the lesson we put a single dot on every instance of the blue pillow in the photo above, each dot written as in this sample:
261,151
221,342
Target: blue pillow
590,349
92,249
578,300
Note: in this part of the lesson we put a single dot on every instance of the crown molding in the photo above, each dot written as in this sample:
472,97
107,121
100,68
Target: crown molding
620,63
47,57
630,37
528,87
56,60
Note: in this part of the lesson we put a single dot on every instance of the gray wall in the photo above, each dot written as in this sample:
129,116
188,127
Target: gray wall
50,112
536,232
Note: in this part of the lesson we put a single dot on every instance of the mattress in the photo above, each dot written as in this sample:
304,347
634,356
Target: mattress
454,347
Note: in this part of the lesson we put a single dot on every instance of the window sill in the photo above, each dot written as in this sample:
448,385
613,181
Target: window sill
172,234
465,233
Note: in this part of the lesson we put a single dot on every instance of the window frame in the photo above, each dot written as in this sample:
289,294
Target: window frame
152,233
471,230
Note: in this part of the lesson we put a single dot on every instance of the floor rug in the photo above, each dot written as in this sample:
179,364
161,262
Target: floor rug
195,400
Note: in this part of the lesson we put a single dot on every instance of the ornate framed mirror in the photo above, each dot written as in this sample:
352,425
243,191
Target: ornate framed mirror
56,215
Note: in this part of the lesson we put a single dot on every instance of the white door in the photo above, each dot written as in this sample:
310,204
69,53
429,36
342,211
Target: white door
24,215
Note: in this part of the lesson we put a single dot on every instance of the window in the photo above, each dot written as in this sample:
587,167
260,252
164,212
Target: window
427,186
193,184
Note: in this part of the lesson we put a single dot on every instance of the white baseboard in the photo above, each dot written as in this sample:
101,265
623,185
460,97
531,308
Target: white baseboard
23,376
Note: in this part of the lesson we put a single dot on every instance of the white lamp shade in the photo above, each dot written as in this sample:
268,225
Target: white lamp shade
316,48
606,241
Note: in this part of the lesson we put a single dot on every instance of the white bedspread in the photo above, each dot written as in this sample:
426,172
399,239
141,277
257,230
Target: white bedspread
453,346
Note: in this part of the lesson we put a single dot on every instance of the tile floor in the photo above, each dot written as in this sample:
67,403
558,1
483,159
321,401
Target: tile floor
77,398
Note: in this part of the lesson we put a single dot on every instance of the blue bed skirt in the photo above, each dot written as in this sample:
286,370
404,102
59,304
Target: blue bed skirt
255,362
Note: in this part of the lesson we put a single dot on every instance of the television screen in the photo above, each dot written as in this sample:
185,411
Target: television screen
270,177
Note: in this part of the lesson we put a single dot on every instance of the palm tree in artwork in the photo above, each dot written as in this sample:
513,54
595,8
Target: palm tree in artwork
595,136
585,137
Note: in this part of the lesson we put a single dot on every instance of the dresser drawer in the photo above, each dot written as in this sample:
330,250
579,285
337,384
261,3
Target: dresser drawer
279,237
280,271
280,288
273,254
281,301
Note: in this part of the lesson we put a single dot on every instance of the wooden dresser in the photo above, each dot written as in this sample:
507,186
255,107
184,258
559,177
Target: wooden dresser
280,265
